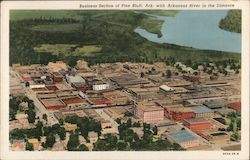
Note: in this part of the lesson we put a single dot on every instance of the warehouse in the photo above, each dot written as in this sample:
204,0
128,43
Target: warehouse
183,137
197,124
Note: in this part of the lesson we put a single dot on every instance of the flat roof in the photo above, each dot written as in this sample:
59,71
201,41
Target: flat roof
72,100
196,120
52,102
182,136
149,107
201,109
166,88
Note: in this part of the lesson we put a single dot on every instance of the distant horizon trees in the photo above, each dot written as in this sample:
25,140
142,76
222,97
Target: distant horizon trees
232,21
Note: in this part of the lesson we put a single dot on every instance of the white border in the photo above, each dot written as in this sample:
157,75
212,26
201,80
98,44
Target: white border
208,155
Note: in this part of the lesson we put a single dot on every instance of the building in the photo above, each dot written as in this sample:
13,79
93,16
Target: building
215,104
73,101
178,112
100,85
149,112
203,111
166,89
217,137
98,100
56,67
235,105
115,112
117,97
74,79
53,103
57,77
197,124
183,137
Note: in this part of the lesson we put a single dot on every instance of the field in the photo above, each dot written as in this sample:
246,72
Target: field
67,49
64,28
18,15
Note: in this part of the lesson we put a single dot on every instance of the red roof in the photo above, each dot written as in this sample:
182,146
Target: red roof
72,100
236,106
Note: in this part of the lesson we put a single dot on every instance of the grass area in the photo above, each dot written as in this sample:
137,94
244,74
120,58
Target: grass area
87,50
68,49
64,28
17,15
54,49
171,13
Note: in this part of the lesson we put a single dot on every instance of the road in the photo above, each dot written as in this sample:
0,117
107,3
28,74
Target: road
51,118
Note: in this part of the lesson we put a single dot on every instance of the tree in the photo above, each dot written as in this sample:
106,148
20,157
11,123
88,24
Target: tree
136,124
168,73
50,140
29,147
83,147
118,120
61,121
27,84
128,114
235,136
129,123
73,142
45,117
122,146
31,116
155,130
62,133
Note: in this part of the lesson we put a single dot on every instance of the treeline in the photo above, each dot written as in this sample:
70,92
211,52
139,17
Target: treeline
110,30
232,22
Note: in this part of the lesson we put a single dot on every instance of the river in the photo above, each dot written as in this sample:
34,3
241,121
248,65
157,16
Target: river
198,29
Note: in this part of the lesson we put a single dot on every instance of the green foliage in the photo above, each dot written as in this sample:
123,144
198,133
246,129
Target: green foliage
83,147
31,116
50,140
107,144
29,147
168,73
45,117
108,29
73,142
136,124
232,21
235,136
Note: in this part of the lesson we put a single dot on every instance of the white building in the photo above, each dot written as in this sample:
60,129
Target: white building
100,85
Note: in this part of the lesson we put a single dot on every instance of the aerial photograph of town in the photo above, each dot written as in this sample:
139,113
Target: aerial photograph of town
125,80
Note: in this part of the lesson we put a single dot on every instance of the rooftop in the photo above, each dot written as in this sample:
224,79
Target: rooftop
52,102
201,109
196,120
72,100
148,106
182,136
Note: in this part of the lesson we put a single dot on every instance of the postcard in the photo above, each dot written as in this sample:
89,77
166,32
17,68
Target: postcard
125,80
